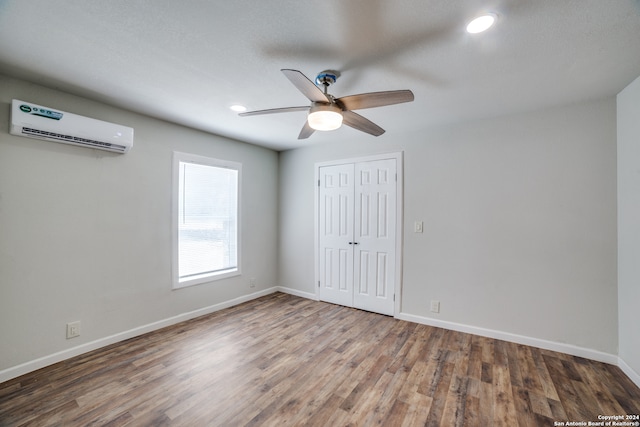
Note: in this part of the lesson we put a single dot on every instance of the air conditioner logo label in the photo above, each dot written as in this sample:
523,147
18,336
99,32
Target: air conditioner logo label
42,112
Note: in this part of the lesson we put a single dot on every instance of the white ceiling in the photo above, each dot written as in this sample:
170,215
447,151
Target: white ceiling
188,61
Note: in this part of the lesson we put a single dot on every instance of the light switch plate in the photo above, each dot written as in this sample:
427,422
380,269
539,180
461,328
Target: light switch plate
435,306
73,329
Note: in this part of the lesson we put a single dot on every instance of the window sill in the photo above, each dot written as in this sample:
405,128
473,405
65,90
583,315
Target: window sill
205,278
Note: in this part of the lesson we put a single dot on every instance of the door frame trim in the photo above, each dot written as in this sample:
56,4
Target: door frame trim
399,157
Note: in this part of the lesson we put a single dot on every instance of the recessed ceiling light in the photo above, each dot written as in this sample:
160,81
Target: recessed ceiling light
238,108
481,23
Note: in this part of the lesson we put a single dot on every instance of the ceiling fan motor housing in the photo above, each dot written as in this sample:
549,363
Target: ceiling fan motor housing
327,77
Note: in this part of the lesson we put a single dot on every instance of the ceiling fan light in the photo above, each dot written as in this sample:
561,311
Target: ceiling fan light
325,117
481,23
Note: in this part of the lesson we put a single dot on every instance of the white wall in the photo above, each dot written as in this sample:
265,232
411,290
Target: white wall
519,222
628,103
85,234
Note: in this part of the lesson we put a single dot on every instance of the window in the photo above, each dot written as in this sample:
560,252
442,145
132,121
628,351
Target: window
205,218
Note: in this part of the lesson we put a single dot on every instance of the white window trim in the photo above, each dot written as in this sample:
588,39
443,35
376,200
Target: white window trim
208,161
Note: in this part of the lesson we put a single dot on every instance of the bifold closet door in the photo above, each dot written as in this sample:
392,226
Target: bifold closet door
357,232
375,230
335,230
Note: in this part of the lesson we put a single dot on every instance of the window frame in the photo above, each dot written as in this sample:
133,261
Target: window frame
180,157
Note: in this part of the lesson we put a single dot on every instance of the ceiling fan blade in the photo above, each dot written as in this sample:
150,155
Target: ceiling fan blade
358,122
306,86
306,131
375,99
273,111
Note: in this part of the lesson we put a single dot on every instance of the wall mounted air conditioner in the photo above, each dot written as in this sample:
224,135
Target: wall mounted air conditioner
35,121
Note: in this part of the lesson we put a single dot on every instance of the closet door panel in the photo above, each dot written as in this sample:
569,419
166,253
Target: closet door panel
335,230
375,225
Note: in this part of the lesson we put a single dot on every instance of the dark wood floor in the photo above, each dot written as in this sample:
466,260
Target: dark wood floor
283,360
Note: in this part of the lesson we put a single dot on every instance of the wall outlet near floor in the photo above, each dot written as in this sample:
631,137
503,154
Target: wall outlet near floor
73,329
435,306
252,282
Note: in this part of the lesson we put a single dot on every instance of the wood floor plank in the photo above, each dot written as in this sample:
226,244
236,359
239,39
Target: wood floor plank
557,410
396,415
456,402
438,390
324,412
486,404
522,402
471,415
543,374
540,404
573,406
530,376
384,409
407,355
605,400
417,363
504,409
282,360
514,364
367,410
620,386
474,367
487,345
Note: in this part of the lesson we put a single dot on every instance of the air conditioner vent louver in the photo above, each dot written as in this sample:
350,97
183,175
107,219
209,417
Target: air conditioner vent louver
74,139
35,121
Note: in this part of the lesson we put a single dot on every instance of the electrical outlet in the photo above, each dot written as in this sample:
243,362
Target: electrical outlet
252,282
435,306
73,329
417,227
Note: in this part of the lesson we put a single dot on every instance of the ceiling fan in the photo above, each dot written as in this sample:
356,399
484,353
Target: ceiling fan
327,112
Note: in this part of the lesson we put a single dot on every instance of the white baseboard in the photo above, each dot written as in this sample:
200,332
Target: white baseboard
573,350
33,365
301,294
628,370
